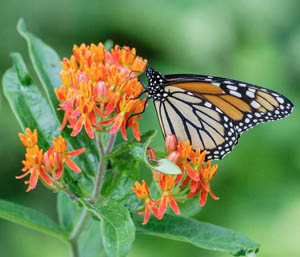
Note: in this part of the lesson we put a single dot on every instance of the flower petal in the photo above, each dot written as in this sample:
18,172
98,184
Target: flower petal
173,204
72,165
77,152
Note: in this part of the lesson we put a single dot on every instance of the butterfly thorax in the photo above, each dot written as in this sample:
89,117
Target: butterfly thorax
156,84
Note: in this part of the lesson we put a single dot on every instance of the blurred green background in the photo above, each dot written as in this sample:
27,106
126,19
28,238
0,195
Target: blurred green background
250,40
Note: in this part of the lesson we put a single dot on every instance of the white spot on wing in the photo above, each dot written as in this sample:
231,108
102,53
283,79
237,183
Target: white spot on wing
207,104
250,94
235,93
255,104
280,100
232,87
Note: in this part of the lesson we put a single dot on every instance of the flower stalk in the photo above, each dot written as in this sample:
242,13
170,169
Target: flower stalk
101,170
96,192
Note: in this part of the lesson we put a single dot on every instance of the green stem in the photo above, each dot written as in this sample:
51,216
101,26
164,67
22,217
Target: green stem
79,226
110,144
84,214
74,249
101,171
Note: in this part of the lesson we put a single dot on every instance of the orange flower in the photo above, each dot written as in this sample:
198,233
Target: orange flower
97,89
33,167
185,150
53,163
167,183
142,191
29,139
202,187
60,147
47,166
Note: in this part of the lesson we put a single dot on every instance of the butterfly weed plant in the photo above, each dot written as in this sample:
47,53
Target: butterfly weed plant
69,138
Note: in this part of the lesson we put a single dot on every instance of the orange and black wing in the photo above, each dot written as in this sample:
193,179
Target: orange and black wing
212,112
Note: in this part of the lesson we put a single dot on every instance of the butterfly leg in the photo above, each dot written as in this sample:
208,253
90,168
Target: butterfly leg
147,99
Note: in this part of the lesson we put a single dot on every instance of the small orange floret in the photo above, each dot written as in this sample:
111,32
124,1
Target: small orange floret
167,183
29,139
33,167
142,191
60,147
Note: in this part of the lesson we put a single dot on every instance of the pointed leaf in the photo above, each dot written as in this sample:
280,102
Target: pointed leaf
30,218
46,63
166,166
198,233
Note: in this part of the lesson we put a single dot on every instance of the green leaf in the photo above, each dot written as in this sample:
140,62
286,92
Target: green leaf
30,218
138,151
118,150
27,103
198,233
90,241
118,230
68,211
166,166
117,227
46,63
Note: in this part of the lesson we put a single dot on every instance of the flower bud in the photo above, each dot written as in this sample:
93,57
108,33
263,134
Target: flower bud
174,157
170,143
151,154
101,92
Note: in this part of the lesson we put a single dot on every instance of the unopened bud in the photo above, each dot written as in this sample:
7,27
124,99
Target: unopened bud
170,143
151,154
101,92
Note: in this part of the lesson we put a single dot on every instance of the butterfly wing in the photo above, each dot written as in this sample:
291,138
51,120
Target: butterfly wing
245,104
193,118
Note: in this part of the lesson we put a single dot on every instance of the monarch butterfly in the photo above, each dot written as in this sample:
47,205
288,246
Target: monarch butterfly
211,112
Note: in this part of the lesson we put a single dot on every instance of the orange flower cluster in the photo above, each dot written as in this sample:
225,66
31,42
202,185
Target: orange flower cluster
100,88
46,166
194,179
